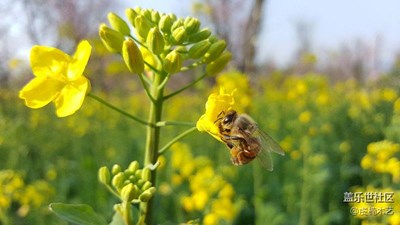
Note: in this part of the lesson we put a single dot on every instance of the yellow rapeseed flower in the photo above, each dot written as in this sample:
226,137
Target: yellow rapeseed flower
305,117
58,79
216,104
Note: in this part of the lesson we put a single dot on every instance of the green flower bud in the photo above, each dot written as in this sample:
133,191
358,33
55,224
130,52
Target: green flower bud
146,196
112,39
213,39
147,13
178,35
165,23
155,41
140,183
115,169
173,62
118,180
146,185
118,24
142,25
146,174
191,24
133,166
199,49
132,56
104,175
219,64
128,192
199,36
131,15
178,23
155,16
215,51
138,174
181,49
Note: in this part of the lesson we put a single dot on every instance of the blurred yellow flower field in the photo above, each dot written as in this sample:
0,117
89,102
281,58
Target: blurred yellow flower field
338,137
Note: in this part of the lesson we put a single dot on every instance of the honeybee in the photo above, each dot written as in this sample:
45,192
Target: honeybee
245,141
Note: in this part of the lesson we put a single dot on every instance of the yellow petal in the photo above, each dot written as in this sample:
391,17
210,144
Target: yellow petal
46,61
40,91
216,105
79,60
71,97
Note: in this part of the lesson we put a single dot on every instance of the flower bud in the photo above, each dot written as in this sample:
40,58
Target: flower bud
132,56
178,35
115,169
155,41
146,195
199,36
191,24
146,174
178,23
146,185
173,62
155,16
199,49
147,13
142,25
133,166
118,180
181,49
128,192
104,175
112,39
131,15
165,23
138,174
219,64
215,51
118,24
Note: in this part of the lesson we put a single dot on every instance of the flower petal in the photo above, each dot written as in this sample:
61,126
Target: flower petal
79,60
46,61
216,104
71,97
40,91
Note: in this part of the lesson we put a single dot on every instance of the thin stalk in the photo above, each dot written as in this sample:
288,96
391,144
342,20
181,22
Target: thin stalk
102,101
146,88
177,138
185,87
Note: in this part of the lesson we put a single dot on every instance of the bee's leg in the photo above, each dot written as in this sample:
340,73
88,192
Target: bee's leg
235,151
232,138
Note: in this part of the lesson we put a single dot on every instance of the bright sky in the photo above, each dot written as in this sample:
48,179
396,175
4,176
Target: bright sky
333,24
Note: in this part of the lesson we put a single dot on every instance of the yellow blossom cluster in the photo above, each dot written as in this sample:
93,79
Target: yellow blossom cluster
383,157
13,189
210,193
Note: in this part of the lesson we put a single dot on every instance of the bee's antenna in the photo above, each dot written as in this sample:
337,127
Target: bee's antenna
219,116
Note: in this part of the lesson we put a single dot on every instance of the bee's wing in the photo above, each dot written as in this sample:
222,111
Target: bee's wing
268,145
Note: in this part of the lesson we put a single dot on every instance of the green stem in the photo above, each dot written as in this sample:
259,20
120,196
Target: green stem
177,138
185,87
119,110
153,141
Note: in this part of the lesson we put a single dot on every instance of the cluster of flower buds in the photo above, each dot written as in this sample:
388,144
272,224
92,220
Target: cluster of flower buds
176,41
132,185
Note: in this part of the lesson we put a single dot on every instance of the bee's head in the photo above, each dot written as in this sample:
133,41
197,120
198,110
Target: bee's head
225,120
229,117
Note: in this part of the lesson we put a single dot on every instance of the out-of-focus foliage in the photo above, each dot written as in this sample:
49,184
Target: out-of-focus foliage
330,133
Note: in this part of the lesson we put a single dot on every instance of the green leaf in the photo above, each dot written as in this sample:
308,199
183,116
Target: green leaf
80,214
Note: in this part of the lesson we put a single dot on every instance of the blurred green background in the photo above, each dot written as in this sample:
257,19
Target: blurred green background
340,130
